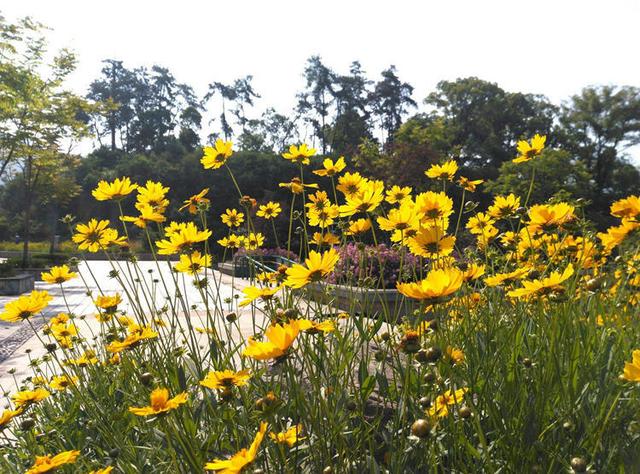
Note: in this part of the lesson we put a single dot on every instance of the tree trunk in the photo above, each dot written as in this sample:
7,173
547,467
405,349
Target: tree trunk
27,214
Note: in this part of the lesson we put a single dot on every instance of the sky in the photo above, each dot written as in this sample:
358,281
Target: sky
553,48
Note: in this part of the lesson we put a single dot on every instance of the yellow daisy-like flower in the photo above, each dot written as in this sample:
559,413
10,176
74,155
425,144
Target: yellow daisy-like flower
233,241
96,235
468,184
279,340
544,286
627,208
444,171
253,241
108,303
87,358
431,242
368,197
192,263
118,189
25,306
49,463
182,239
396,194
543,217
478,223
504,206
315,327
434,206
217,155
296,186
225,379
456,356
327,238
299,154
528,150
349,183
104,470
7,416
239,461
401,218
148,214
323,218
270,210
632,369
438,284
136,335
289,437
27,398
194,201
251,293
358,226
160,403
440,407
331,168
62,382
58,274
473,272
153,194
232,218
316,267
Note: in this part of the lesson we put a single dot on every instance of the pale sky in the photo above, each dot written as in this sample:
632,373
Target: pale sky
549,47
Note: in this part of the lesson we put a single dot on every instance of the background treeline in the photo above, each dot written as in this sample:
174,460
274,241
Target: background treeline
147,125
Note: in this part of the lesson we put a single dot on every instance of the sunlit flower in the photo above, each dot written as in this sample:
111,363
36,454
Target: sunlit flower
243,458
289,437
182,239
148,214
628,207
194,201
431,242
25,306
233,241
456,356
349,183
617,234
331,168
62,382
104,470
316,267
7,416
217,155
400,218
368,197
501,278
438,283
296,186
136,335
479,222
440,407
58,274
397,194
473,272
468,184
153,195
544,286
192,263
279,340
315,327
27,398
444,171
327,238
225,379
108,303
544,217
632,369
299,154
232,218
358,226
87,358
528,150
270,210
118,189
504,206
49,463
253,241
160,403
434,206
96,235
251,293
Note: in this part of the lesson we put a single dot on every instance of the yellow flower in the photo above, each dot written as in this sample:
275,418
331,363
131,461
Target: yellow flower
433,206
456,356
108,303
440,407
331,168
549,216
501,278
61,382
63,334
26,398
279,340
317,267
368,197
289,437
431,242
251,293
153,194
445,171
160,403
147,214
543,286
632,369
241,459
530,150
232,218
469,185
628,207
7,416
183,238
397,194
504,206
616,235
296,186
233,241
299,154
192,263
438,283
105,470
349,183
324,239
323,218
479,222
270,210
216,156
94,236
87,358
25,306
222,380
314,327
49,463
192,203
253,241
473,272
58,274
358,226
136,335
401,218
116,190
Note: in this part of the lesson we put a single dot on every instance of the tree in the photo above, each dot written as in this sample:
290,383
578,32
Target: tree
315,102
227,93
390,100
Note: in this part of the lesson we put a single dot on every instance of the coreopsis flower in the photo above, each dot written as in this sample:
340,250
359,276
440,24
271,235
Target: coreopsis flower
368,197
396,194
182,239
543,217
232,218
279,337
192,263
296,186
323,218
528,150
104,470
233,241
358,226
118,189
544,286
401,218
289,437
617,234
440,407
473,271
253,241
27,398
438,284
58,274
148,214
318,201
136,335
632,369
504,206
108,303
194,201
160,403
217,155
239,461
299,154
502,278
7,416
62,382
87,358
456,356
331,168
478,223
225,379
434,206
49,463
431,242
468,184
628,207
327,238
25,306
316,267
251,293
153,194
349,183
270,210
315,327
444,171
63,334
96,235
